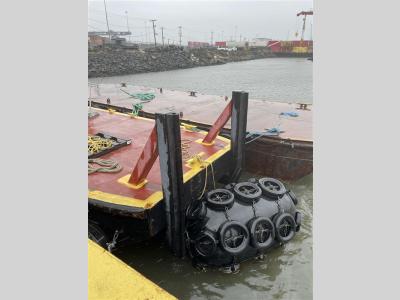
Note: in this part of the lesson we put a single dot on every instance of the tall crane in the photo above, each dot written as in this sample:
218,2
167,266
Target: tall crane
305,14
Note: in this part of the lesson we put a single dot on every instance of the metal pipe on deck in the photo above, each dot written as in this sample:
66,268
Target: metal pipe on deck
145,161
240,102
219,124
170,152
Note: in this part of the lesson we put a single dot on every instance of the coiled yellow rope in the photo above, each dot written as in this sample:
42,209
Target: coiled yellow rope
97,144
186,155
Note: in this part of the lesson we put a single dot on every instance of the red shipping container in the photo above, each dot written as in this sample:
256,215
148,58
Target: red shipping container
220,44
275,46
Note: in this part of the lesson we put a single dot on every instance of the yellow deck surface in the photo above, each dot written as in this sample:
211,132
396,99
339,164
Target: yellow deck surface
112,279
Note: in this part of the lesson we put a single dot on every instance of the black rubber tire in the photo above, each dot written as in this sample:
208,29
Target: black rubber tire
97,235
219,199
205,238
271,187
254,227
293,197
242,191
298,217
239,228
285,219
196,210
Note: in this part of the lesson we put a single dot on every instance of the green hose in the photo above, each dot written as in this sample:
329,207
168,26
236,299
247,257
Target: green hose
144,97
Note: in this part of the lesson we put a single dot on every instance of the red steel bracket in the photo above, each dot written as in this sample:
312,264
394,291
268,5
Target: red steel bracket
219,124
145,161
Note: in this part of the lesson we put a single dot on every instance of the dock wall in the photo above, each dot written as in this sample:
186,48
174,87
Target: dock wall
113,62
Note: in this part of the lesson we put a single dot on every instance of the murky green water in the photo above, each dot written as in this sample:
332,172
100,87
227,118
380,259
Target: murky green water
285,272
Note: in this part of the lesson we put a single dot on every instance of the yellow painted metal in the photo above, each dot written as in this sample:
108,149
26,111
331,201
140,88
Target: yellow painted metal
125,181
111,279
152,200
189,127
300,49
199,167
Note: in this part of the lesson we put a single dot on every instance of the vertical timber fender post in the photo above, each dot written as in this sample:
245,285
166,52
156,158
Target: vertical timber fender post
240,102
170,152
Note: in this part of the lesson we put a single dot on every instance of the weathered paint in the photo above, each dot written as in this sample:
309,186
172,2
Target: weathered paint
146,160
111,279
170,152
114,188
219,124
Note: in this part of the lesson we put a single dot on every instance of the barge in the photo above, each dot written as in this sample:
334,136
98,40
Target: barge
287,154
151,169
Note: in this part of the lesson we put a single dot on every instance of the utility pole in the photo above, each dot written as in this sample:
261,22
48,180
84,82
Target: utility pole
162,35
180,35
154,32
235,32
212,35
127,24
108,27
145,32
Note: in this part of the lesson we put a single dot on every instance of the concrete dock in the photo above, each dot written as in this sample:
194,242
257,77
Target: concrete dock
111,279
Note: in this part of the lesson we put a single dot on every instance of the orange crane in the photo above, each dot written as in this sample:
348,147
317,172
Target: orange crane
305,14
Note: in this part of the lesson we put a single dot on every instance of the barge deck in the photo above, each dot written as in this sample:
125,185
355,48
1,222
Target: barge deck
115,194
287,156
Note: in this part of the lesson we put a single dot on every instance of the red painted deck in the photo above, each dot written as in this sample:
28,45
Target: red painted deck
138,130
206,109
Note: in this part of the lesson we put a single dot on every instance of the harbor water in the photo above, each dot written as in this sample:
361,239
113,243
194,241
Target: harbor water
285,272
273,79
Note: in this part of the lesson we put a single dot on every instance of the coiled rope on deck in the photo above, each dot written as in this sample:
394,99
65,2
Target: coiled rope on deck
106,166
186,155
97,144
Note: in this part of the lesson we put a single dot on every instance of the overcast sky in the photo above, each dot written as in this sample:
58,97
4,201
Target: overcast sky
249,19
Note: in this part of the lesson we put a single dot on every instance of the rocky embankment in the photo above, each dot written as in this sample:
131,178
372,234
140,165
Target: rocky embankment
113,62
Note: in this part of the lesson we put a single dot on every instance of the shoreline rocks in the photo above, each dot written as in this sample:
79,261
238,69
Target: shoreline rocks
117,61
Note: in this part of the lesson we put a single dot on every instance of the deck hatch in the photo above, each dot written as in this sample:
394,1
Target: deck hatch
102,143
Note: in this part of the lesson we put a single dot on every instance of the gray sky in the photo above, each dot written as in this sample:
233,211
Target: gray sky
271,19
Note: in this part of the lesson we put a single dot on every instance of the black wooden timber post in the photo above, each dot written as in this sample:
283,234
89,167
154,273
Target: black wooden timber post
170,153
238,132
